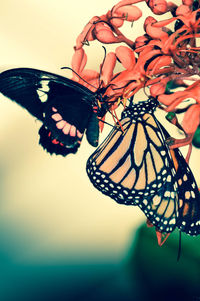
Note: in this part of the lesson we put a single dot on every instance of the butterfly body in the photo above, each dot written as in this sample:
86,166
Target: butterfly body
65,107
134,166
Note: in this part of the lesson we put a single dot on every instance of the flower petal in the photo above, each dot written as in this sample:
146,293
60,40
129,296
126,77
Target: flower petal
105,35
130,13
152,31
78,63
126,56
158,89
86,33
158,7
108,67
123,3
117,22
191,119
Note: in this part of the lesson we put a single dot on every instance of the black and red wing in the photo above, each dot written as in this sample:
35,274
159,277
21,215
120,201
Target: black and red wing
43,95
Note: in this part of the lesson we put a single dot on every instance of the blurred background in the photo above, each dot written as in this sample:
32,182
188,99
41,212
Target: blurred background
60,239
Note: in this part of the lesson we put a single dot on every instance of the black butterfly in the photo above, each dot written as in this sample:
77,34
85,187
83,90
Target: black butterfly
65,107
134,166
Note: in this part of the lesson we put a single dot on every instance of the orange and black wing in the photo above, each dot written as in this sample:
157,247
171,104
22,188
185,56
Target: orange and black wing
188,194
188,197
134,167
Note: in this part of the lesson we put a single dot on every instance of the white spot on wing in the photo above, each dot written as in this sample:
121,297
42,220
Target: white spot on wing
44,84
184,177
43,91
167,194
156,200
169,178
145,202
173,221
42,96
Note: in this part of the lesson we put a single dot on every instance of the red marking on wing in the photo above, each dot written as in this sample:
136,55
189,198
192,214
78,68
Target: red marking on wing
54,141
95,108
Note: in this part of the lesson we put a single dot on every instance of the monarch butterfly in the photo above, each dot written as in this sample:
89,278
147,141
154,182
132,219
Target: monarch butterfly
134,166
65,107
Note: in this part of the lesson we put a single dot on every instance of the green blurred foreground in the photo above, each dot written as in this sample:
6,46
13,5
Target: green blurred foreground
147,272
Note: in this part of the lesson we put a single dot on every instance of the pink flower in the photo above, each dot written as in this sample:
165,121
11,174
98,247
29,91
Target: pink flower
160,7
160,61
173,100
191,119
127,12
86,34
153,31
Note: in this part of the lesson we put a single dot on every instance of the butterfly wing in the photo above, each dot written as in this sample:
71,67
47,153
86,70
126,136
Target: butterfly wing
134,167
188,193
21,86
64,106
189,197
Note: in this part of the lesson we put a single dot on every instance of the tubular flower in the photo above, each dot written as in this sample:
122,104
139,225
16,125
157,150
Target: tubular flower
160,7
165,61
91,78
152,60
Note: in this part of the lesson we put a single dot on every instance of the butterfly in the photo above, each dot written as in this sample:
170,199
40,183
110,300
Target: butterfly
134,166
66,108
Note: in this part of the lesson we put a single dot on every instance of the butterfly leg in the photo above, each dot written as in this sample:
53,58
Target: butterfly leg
176,143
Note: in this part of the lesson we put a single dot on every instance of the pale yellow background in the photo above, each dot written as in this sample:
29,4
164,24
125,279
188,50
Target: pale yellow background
49,210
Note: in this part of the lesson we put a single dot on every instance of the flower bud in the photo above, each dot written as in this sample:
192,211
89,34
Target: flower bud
130,13
157,89
158,7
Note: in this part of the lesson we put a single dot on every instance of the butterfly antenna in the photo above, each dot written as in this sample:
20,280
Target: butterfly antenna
86,42
79,76
118,123
106,122
131,101
179,247
101,66
144,89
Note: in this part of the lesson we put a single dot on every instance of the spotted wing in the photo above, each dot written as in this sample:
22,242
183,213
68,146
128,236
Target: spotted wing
188,193
134,167
189,197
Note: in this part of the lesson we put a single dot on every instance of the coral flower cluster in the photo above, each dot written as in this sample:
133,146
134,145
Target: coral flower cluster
164,61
